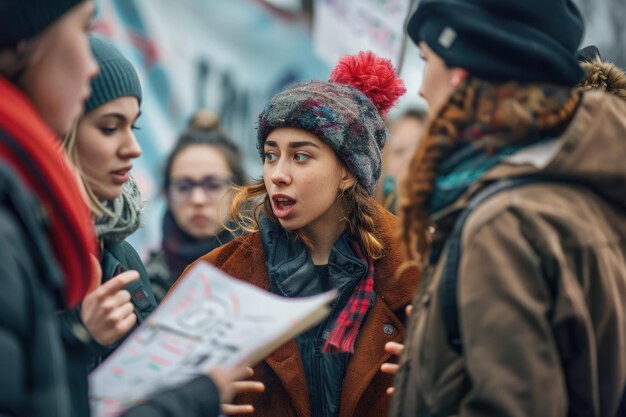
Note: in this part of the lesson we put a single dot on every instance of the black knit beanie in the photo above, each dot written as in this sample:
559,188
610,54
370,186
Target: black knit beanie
24,19
117,76
503,40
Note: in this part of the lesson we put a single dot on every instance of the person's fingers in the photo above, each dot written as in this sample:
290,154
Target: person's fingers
118,282
390,391
125,325
226,380
240,373
110,304
389,368
121,297
408,309
394,348
240,387
231,409
122,312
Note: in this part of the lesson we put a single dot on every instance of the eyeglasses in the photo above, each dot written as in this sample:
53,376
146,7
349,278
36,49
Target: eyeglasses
213,187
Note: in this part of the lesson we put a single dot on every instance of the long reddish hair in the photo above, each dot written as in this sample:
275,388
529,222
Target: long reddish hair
508,112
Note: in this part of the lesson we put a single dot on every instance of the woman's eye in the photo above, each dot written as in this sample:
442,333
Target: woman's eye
270,156
301,157
108,131
183,187
135,127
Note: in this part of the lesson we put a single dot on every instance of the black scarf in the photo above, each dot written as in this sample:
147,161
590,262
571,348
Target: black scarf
181,249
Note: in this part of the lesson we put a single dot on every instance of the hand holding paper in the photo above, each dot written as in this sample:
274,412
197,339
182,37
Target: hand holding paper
209,320
238,386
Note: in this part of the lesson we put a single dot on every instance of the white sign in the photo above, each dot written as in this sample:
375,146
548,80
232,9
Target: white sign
345,27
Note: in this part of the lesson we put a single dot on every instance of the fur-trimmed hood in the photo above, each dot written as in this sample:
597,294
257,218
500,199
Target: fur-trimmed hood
604,76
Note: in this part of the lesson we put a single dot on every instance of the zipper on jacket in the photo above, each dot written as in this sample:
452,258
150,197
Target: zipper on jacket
322,333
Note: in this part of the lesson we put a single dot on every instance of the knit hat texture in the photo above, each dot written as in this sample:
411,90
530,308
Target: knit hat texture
346,112
503,40
117,77
24,19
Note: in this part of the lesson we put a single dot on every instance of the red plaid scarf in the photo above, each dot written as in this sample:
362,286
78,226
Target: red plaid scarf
343,336
33,151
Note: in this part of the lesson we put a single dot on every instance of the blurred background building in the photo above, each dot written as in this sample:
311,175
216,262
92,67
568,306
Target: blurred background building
230,56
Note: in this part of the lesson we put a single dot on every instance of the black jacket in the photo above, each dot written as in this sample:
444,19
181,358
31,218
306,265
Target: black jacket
33,364
115,255
83,353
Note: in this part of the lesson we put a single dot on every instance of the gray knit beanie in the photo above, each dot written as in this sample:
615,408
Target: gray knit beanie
24,19
345,112
117,77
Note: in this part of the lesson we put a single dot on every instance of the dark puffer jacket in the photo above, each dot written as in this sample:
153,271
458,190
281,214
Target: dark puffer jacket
293,274
83,352
32,360
33,365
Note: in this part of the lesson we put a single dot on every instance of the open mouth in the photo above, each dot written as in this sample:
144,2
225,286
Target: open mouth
283,206
120,176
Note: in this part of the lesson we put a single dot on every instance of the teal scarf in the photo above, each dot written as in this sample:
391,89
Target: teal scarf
462,169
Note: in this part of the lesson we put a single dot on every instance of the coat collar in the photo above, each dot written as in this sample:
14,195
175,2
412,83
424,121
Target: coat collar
291,268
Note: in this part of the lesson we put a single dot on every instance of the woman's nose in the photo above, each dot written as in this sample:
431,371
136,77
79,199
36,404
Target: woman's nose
198,196
280,175
131,148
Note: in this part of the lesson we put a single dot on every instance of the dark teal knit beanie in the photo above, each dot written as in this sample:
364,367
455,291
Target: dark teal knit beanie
117,77
24,19
529,41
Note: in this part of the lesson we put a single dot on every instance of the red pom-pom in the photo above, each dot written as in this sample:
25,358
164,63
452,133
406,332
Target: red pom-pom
373,76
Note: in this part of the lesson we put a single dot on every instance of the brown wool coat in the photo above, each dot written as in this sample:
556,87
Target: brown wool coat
282,372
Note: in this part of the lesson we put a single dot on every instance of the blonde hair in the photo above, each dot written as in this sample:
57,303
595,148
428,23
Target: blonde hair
96,206
252,200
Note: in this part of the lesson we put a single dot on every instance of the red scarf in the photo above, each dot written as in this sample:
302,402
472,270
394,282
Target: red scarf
343,336
33,151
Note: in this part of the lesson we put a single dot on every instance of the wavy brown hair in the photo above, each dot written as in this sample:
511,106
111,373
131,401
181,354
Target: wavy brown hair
486,115
357,204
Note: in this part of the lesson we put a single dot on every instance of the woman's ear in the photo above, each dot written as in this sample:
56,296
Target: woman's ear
13,60
457,76
347,180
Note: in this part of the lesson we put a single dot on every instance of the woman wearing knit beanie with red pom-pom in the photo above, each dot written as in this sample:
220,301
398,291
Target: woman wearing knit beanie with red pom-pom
315,225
